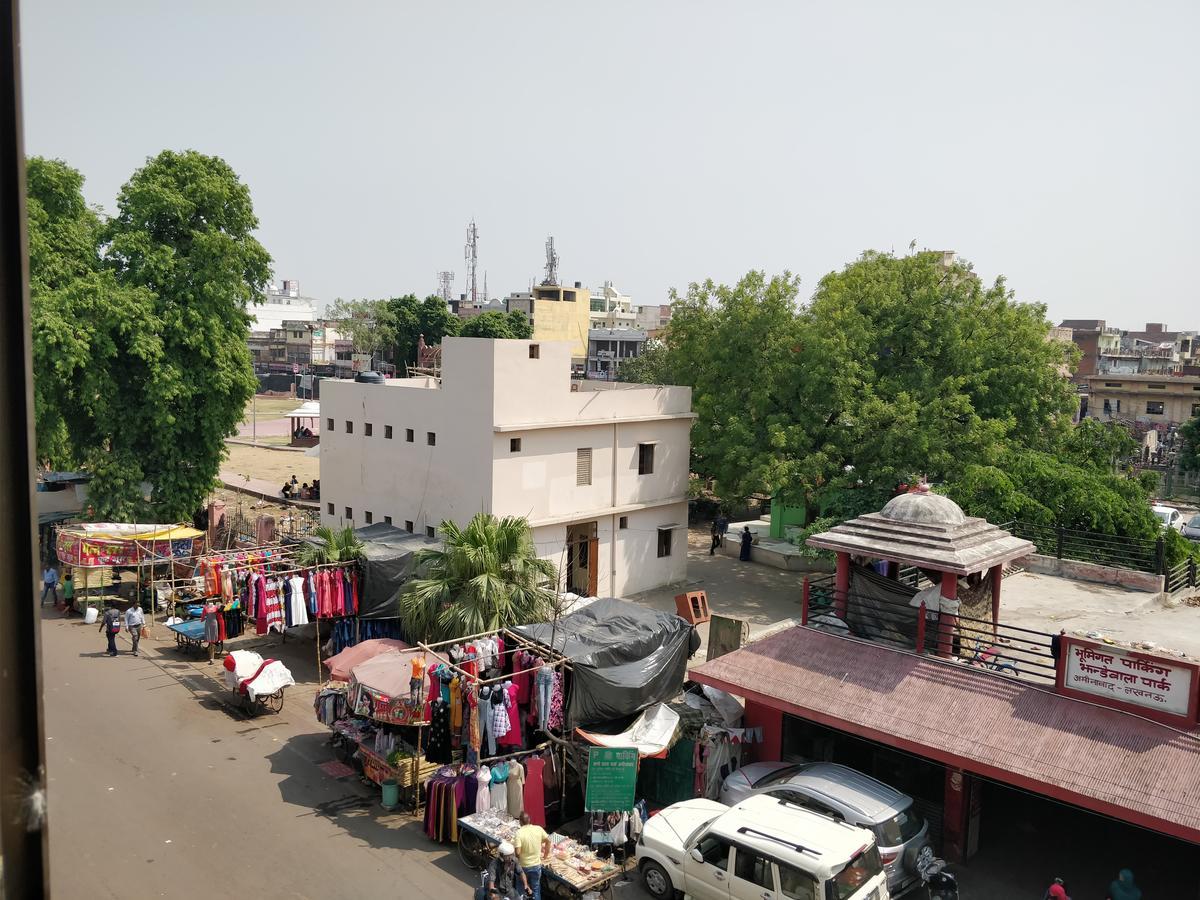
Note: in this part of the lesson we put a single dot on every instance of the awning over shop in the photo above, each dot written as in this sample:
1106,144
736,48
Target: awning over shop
652,733
1100,759
118,544
341,664
624,657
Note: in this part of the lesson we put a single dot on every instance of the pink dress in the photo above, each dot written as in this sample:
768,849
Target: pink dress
513,738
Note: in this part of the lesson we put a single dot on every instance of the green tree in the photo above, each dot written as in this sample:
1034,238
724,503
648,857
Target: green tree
412,318
183,234
486,576
369,324
330,547
1099,445
495,324
1189,454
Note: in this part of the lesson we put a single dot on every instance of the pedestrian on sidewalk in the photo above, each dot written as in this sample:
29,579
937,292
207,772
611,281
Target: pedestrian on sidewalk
110,624
49,583
722,528
747,540
68,584
715,534
134,620
212,628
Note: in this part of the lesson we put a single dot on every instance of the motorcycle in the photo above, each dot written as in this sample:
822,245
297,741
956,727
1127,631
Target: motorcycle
939,884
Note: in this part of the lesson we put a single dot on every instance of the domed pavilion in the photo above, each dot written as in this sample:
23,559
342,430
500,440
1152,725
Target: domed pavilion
929,531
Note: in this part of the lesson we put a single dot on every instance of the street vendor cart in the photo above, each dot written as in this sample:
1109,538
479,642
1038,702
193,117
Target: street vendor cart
572,870
257,683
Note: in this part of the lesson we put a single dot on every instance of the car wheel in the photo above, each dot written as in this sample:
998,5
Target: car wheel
657,881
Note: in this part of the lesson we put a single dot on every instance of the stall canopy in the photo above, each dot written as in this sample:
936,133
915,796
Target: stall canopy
624,657
97,544
340,664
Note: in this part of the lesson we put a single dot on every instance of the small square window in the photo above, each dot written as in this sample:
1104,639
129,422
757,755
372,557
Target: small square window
645,459
408,435
408,525
1154,407
370,517
387,520
429,532
535,351
431,439
349,427
329,508
350,515
368,429
664,542
329,426
514,445
623,522
387,432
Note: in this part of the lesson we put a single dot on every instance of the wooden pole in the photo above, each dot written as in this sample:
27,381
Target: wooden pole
320,678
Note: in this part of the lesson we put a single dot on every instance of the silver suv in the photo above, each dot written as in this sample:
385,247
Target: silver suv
845,794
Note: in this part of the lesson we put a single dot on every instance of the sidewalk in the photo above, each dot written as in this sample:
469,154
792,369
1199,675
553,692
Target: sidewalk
767,598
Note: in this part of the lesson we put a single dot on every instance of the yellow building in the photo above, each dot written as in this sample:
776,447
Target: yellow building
558,314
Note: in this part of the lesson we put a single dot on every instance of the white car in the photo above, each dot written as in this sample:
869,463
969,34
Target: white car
762,849
1168,517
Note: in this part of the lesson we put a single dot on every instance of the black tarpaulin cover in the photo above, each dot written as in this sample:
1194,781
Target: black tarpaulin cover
624,657
387,566
878,610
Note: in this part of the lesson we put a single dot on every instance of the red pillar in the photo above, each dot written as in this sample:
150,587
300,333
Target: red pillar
948,622
841,592
804,595
997,573
960,815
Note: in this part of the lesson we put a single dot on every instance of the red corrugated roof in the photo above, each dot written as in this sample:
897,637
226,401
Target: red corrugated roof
995,726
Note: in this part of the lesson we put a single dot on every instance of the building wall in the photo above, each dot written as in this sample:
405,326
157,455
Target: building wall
1180,396
564,320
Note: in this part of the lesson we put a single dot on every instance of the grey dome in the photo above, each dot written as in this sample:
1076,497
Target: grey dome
924,508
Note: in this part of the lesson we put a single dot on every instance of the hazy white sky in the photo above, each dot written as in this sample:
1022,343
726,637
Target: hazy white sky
659,142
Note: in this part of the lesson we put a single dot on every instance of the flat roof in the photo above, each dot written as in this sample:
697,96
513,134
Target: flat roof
1104,760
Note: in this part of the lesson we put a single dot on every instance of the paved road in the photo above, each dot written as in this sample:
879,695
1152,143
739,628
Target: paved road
156,789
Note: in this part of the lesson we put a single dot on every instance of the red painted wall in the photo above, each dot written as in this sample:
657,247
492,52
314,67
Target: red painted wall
771,722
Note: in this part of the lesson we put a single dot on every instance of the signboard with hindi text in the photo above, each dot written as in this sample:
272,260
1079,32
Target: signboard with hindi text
611,779
1158,687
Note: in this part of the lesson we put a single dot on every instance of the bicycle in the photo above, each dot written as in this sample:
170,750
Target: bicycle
988,657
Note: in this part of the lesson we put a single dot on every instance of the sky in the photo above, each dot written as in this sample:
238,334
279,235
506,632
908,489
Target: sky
660,143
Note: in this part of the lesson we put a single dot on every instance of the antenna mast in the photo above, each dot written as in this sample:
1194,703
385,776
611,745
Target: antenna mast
551,262
445,280
471,254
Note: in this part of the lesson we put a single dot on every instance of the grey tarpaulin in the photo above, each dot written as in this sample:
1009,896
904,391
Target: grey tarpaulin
877,608
387,566
624,657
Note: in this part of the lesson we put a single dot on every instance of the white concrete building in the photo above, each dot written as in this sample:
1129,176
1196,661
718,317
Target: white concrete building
599,469
282,303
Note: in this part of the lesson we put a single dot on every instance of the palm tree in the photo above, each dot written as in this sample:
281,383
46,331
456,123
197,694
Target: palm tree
487,576
342,545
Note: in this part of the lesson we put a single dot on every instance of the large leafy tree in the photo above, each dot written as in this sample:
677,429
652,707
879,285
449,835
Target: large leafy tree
1189,455
412,318
184,233
369,324
486,576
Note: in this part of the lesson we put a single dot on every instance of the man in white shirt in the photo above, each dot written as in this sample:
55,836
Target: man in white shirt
134,620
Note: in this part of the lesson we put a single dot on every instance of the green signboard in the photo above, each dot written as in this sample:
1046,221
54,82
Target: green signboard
611,779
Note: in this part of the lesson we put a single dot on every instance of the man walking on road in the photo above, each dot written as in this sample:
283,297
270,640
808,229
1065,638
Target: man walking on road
49,584
110,624
134,620
533,846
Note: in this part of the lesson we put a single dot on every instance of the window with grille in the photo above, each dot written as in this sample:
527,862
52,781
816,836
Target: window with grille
408,525
431,438
387,432
514,445
329,508
349,427
368,429
370,517
408,435
583,465
329,426
664,542
387,520
1154,407
429,532
349,513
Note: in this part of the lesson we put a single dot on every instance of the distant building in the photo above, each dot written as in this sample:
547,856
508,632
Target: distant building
611,309
1110,351
557,313
1154,400
652,318
600,470
608,347
282,303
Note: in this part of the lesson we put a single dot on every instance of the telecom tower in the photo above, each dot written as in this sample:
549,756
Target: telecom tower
551,262
471,254
445,280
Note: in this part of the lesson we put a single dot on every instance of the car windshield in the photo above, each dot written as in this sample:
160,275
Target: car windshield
1164,515
1194,521
900,828
857,874
777,777
691,838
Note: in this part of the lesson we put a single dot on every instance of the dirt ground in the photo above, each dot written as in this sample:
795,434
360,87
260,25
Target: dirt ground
271,465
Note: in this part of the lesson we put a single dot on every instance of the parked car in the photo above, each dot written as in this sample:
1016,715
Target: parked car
1168,517
763,848
846,794
1191,530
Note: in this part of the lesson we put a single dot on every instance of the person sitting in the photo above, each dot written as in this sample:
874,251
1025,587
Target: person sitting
286,490
504,873
305,492
316,488
306,432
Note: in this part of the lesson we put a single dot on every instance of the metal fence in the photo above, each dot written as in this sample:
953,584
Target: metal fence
1006,649
1088,546
1184,575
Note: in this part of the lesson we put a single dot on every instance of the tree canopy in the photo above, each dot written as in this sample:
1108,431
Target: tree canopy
139,328
898,366
495,324
1189,454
